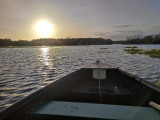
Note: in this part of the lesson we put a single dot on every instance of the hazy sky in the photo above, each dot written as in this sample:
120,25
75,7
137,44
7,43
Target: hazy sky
115,19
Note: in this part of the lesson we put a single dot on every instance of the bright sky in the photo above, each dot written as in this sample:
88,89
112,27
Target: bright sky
115,19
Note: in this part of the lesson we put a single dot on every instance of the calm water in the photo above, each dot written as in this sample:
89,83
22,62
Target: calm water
25,70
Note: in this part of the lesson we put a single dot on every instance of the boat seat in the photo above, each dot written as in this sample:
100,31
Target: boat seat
96,111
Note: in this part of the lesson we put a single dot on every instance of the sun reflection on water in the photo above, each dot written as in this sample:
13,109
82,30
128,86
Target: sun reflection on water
45,55
46,65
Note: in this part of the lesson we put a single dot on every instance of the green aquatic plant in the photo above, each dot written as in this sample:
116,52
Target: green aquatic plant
133,51
131,47
158,83
103,52
152,53
103,48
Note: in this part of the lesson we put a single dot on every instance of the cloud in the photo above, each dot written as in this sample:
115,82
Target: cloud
118,37
124,34
155,28
130,31
101,34
122,26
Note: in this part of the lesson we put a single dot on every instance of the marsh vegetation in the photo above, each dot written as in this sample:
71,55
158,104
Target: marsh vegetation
103,48
134,50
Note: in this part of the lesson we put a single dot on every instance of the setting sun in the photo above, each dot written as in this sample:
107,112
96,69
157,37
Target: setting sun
44,29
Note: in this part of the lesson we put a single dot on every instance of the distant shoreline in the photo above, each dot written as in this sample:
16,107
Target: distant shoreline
65,45
81,41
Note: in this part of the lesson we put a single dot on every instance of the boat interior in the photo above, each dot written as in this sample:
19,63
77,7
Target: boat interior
116,88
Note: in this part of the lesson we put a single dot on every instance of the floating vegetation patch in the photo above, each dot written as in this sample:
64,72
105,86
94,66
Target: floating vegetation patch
103,48
103,52
152,53
131,47
158,83
134,51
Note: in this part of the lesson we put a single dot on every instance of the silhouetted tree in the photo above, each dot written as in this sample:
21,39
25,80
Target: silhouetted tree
149,39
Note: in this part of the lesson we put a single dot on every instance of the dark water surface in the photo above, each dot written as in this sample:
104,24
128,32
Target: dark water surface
25,70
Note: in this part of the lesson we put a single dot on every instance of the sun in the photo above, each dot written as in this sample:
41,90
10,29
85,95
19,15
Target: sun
44,29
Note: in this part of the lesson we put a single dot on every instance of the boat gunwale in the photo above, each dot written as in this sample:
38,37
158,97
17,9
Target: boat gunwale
141,80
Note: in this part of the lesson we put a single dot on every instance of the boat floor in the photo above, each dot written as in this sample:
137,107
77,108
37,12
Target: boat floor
93,88
89,92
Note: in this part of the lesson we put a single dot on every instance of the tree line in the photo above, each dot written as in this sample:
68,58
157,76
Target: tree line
56,42
149,39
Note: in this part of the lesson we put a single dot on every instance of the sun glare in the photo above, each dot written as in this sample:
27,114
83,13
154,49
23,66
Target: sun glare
44,29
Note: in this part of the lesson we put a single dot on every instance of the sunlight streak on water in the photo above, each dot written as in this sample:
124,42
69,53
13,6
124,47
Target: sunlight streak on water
47,65
45,56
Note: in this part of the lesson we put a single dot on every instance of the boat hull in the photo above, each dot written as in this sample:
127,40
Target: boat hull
119,88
